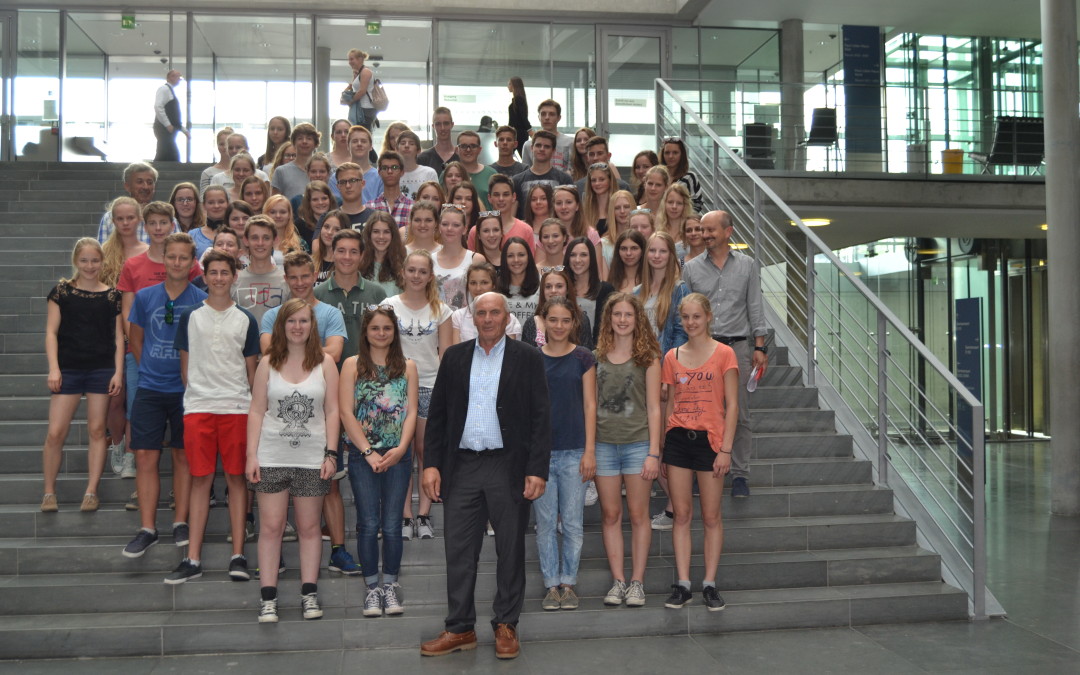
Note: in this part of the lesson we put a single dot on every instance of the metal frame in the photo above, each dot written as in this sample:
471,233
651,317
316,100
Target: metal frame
891,416
9,22
603,60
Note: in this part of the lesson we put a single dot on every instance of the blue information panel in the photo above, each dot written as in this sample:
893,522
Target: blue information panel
862,88
968,369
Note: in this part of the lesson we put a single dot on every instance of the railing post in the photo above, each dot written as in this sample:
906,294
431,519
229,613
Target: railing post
682,124
758,249
811,332
715,173
978,492
882,401
659,107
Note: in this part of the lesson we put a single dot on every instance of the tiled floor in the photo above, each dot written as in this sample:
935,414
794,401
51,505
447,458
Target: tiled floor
1034,566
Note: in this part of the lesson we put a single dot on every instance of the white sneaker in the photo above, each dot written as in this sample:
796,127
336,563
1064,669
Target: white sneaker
590,493
617,594
662,521
408,529
128,468
268,611
391,601
116,457
490,530
423,527
290,532
373,605
635,594
310,603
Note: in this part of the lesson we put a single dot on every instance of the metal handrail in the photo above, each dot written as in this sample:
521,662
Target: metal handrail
910,452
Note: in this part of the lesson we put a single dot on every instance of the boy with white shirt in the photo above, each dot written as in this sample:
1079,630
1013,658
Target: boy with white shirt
218,343
414,175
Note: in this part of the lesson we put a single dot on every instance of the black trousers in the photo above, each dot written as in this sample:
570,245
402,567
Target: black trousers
166,144
480,490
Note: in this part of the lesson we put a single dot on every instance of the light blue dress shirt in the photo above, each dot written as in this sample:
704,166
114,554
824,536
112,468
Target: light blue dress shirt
482,428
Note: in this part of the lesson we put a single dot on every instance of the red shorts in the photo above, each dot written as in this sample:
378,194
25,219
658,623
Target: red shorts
206,436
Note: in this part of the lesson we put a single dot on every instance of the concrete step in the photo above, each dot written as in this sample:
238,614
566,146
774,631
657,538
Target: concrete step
45,242
68,216
792,419
59,204
44,257
46,273
799,444
784,397
72,230
342,626
425,584
101,554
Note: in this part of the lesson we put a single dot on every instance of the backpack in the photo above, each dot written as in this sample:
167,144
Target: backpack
379,99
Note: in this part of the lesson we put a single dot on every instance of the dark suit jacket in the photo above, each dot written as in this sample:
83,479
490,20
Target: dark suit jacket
523,409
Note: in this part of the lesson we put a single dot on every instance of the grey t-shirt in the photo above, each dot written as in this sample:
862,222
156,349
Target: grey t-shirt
290,180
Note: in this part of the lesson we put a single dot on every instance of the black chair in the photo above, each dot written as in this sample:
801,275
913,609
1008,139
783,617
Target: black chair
1018,141
757,146
823,133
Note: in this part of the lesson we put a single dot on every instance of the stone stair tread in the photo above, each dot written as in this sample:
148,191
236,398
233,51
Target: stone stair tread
798,460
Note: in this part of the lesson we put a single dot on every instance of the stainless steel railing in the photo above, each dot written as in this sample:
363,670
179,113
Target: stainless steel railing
896,399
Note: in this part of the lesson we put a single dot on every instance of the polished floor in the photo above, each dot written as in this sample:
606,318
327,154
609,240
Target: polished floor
1034,570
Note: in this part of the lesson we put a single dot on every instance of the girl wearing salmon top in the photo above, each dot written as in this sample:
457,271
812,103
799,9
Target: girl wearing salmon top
702,377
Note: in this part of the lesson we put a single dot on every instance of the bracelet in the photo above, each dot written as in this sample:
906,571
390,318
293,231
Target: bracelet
654,456
330,454
726,453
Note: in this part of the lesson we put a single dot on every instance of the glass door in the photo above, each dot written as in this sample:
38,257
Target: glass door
630,61
7,77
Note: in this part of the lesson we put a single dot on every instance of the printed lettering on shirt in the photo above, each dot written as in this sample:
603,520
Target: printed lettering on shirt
260,294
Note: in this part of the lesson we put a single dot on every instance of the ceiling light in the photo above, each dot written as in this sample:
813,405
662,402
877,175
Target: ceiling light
1044,227
814,222
739,247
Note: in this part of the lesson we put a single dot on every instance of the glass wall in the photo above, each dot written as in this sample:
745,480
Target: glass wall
85,96
920,280
37,85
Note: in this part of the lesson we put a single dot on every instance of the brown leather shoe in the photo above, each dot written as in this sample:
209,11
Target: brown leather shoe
506,642
448,643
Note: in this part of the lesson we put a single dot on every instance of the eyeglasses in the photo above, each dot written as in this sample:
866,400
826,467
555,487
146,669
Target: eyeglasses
556,268
185,200
457,207
350,181
289,155
602,166
390,167
169,311
468,147
636,211
491,214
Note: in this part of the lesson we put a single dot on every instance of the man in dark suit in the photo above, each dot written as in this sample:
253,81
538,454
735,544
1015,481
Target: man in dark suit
488,444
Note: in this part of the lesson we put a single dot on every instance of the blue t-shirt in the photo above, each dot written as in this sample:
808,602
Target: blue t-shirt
564,375
328,318
159,365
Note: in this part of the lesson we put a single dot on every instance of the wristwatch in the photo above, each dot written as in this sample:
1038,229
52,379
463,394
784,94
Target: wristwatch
367,451
763,350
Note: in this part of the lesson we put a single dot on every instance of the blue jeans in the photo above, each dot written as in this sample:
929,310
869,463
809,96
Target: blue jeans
380,498
564,497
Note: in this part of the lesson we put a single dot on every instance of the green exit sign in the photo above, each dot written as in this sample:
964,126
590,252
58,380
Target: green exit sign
127,21
374,27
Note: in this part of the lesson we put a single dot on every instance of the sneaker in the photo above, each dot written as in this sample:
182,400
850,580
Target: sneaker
590,493
172,500
289,534
116,457
662,521
490,530
180,534
408,529
616,595
48,503
373,605
238,569
569,598
635,594
325,532
132,503
127,470
90,502
184,571
391,599
213,497
713,601
249,532
310,603
142,541
739,488
679,597
423,527
341,561
553,599
281,568
268,611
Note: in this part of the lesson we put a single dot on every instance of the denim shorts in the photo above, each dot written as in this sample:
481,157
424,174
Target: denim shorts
81,382
131,381
614,459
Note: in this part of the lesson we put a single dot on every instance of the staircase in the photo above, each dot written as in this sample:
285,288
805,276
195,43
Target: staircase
816,545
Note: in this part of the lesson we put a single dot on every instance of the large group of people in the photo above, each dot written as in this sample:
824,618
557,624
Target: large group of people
533,335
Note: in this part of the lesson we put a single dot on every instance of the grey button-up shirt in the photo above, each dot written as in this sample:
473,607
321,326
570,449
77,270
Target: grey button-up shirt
734,291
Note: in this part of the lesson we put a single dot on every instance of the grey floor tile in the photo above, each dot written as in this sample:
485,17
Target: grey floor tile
641,655
964,645
132,666
328,663
827,650
479,661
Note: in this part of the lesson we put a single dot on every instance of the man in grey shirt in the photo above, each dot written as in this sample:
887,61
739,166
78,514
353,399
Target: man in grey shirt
733,285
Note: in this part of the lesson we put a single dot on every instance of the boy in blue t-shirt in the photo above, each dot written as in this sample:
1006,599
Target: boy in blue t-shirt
159,399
